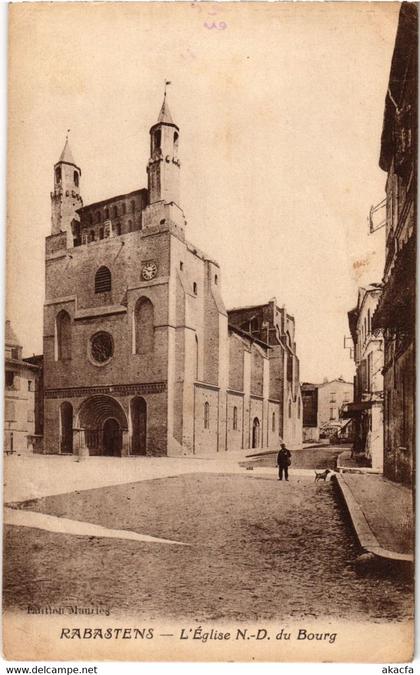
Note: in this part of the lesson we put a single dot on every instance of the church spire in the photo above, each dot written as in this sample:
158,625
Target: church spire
165,116
66,155
163,167
65,198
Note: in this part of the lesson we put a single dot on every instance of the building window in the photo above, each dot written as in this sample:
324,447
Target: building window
369,322
98,217
181,266
196,357
273,422
133,206
76,178
215,279
9,411
114,212
10,379
118,229
58,174
15,352
290,408
91,218
124,209
30,416
195,288
157,137
206,415
332,397
235,418
299,408
30,385
103,280
91,236
101,233
101,347
346,397
144,326
63,336
332,414
106,214
130,225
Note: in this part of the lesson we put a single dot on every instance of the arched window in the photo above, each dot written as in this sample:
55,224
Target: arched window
76,178
290,408
157,137
206,415
138,411
101,233
273,422
118,229
103,280
133,206
58,174
256,433
196,357
66,428
144,331
114,212
106,214
235,418
63,336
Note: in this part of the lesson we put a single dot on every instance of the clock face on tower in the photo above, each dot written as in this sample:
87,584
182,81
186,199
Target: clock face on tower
149,271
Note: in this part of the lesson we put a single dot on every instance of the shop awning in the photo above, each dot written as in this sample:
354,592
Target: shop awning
354,409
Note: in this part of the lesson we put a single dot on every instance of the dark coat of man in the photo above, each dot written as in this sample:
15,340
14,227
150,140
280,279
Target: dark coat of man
283,457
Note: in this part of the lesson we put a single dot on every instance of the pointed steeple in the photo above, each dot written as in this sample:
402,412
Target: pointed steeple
163,167
66,155
165,116
65,198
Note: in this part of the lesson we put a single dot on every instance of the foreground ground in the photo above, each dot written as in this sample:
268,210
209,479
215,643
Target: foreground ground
259,549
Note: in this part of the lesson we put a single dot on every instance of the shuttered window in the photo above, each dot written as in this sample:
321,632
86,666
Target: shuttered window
102,280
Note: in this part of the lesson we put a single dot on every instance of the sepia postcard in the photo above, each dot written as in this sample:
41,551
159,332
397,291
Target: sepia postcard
209,418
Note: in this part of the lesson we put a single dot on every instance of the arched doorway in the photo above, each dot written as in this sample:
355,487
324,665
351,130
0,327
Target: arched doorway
111,438
256,433
103,422
66,428
138,411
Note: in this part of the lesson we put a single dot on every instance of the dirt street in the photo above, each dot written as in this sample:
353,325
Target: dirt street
260,549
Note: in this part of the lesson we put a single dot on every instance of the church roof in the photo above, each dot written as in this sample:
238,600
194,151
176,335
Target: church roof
66,155
165,116
10,335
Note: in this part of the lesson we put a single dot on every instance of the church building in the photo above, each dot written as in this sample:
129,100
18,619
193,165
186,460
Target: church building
140,355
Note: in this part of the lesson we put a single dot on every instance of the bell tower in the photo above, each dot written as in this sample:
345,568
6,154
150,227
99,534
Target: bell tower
163,166
66,199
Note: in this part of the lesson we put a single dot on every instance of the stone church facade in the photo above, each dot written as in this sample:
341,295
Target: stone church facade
140,355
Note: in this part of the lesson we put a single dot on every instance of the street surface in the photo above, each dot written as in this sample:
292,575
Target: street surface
260,549
308,458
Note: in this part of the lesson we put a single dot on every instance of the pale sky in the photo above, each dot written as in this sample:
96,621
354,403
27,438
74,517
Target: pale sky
280,110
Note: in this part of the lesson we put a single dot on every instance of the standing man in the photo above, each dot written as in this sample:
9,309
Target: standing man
283,461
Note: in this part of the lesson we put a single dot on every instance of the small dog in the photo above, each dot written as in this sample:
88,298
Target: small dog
321,475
